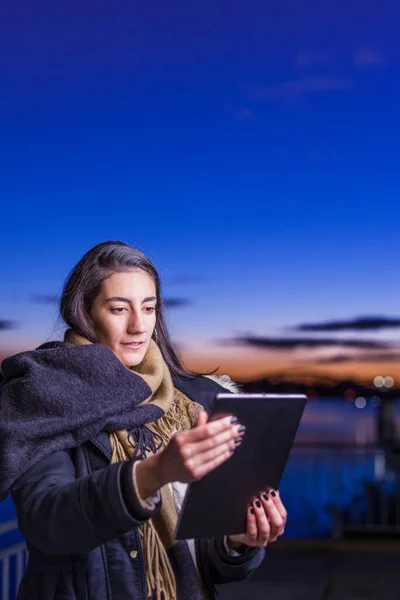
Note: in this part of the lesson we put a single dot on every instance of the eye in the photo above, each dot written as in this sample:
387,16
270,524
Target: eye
118,310
149,309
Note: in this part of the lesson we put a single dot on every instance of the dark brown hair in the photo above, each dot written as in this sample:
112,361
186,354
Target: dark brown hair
83,285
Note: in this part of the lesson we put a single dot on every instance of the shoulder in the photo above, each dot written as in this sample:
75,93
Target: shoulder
203,388
225,382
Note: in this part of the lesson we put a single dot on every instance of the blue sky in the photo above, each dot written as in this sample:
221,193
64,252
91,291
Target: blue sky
250,148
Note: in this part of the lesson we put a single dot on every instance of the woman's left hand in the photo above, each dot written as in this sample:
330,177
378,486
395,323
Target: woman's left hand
266,520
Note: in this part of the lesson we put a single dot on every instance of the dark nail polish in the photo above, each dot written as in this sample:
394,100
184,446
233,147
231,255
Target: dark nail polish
273,494
238,439
232,450
252,511
234,420
258,504
242,429
265,496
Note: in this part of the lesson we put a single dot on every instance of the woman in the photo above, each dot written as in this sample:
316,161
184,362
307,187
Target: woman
101,433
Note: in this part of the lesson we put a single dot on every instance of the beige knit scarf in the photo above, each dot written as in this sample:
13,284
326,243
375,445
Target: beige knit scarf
179,413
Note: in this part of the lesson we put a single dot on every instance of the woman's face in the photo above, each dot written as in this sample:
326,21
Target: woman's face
124,315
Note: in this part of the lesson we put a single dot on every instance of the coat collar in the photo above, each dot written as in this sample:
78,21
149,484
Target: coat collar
102,443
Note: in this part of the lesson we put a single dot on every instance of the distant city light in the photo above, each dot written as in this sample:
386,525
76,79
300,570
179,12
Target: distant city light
360,402
349,394
381,382
389,382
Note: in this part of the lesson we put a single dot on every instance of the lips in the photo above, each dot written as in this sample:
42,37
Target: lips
133,345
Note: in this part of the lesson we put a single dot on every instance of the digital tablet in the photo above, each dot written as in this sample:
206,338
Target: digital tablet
216,505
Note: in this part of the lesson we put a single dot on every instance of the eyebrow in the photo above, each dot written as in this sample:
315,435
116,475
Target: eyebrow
122,299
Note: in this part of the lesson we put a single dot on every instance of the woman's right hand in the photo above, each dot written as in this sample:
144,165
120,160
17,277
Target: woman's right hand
191,454
195,452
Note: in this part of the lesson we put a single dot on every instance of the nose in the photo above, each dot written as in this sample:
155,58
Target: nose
136,324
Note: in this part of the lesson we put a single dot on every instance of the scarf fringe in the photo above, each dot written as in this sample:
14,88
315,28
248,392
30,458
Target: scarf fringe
160,577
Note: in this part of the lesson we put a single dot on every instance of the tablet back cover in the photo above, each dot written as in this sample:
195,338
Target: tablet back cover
216,505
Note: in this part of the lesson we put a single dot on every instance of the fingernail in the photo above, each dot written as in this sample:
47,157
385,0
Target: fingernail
234,420
232,450
265,496
238,439
252,511
273,494
242,429
258,504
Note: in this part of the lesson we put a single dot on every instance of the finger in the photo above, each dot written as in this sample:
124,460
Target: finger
208,429
202,418
195,457
199,470
251,530
276,523
228,439
263,524
276,498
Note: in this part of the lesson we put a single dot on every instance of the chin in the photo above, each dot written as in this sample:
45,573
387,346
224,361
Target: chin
132,360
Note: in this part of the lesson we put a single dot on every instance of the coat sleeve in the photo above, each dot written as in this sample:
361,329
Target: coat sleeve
60,514
217,566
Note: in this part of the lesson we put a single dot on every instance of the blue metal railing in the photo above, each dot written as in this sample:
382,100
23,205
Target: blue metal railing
13,560
331,489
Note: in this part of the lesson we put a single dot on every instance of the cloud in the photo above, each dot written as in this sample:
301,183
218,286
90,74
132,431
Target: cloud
301,86
332,360
307,59
345,358
371,323
168,302
6,325
176,302
367,58
284,343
